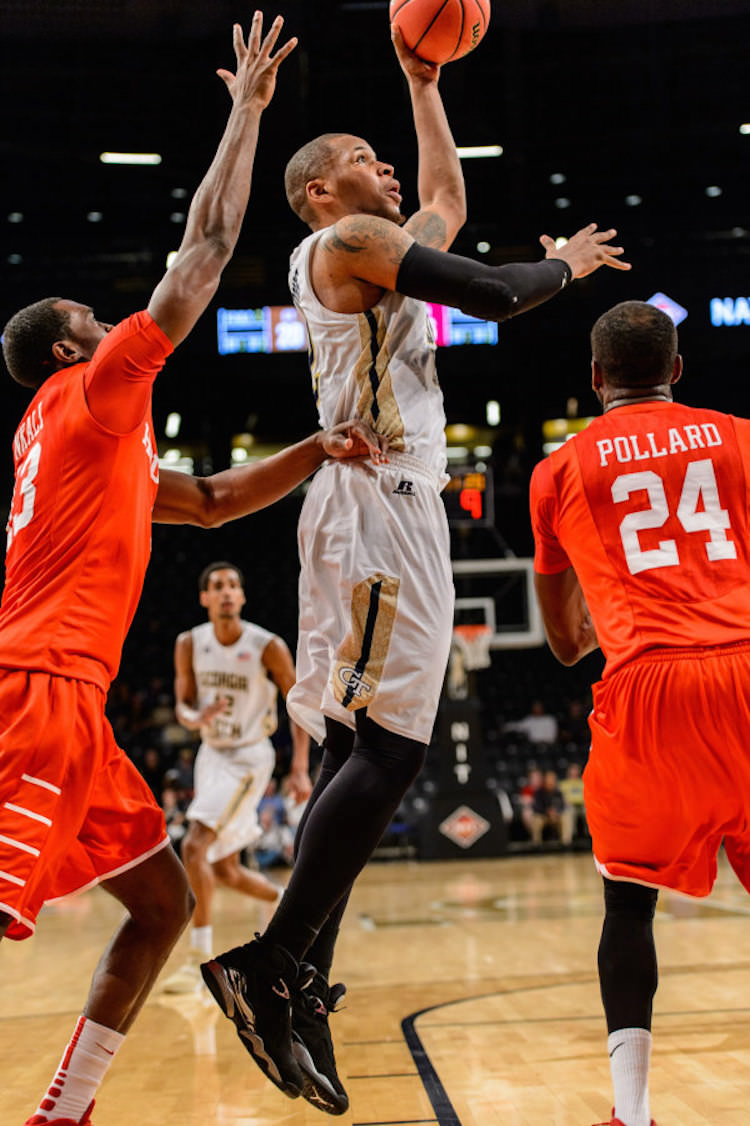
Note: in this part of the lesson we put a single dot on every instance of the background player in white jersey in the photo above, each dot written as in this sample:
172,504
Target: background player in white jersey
228,673
376,592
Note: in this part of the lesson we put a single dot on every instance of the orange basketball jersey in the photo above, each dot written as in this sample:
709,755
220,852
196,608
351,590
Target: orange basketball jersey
649,504
79,530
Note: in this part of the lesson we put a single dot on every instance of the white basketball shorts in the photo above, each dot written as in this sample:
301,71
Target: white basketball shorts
375,597
228,786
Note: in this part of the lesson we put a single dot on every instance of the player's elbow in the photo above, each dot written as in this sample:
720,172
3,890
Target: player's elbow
207,511
455,215
564,648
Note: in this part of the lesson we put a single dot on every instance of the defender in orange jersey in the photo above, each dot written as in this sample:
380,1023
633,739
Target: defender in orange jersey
640,524
73,809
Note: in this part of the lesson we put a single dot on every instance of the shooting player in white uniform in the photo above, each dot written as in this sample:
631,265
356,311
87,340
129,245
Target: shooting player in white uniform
227,675
376,595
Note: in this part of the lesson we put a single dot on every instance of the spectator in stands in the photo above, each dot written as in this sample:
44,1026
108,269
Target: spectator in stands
174,815
574,733
276,843
272,799
549,811
571,788
526,797
152,769
538,726
184,770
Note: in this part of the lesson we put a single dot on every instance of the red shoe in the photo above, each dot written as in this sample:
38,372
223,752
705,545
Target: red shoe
40,1120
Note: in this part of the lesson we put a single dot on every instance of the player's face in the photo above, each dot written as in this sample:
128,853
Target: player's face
84,330
223,596
362,183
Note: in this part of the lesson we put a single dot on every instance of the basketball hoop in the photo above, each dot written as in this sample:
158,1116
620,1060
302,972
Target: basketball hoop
473,643
470,649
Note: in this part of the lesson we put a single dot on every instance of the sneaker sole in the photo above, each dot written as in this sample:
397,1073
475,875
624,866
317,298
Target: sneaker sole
317,1088
243,1018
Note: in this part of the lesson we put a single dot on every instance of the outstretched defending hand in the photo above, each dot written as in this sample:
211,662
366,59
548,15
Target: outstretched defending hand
255,80
355,439
586,251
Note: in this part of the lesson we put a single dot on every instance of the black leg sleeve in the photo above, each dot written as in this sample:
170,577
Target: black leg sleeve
343,828
628,974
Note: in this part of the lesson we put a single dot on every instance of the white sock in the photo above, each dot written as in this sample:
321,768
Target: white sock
629,1058
80,1071
202,940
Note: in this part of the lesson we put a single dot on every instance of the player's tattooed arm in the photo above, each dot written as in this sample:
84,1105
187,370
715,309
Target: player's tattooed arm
364,248
428,229
364,236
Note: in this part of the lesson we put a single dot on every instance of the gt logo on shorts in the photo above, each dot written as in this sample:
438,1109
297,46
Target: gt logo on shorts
353,680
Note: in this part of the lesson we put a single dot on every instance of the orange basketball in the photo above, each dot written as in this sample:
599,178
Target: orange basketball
440,31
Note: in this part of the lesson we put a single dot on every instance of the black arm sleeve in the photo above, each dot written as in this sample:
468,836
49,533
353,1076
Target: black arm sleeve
491,292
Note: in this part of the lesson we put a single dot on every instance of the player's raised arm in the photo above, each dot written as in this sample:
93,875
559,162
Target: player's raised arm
375,250
219,204
442,195
209,502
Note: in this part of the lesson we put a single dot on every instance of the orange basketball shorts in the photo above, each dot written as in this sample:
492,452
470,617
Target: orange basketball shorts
73,808
668,777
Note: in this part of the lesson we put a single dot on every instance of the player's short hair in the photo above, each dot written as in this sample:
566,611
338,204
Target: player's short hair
221,565
28,338
312,160
635,345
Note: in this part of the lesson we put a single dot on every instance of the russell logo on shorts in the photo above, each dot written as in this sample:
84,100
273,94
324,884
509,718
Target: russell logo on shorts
405,489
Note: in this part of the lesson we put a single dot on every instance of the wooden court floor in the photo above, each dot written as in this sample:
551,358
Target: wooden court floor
472,1001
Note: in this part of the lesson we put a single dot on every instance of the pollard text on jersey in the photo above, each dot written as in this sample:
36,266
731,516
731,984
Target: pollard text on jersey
640,447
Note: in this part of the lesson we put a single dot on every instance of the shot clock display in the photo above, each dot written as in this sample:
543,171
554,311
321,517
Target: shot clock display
468,497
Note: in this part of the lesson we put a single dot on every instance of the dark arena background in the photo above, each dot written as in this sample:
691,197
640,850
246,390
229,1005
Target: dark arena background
633,114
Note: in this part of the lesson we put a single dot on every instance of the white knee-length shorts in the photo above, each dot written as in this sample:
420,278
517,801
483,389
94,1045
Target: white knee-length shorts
228,786
375,597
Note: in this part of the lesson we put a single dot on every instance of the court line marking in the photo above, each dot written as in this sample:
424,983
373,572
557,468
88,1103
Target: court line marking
445,1112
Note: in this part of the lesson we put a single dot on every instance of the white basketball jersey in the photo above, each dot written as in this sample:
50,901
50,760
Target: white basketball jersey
238,673
378,365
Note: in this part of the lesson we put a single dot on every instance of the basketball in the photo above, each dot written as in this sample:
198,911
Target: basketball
440,31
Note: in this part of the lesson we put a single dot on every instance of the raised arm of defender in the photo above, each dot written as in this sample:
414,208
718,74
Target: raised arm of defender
219,204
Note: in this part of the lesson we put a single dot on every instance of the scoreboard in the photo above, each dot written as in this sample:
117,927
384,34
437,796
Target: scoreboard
280,328
468,496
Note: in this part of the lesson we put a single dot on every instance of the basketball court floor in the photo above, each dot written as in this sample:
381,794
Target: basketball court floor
472,1001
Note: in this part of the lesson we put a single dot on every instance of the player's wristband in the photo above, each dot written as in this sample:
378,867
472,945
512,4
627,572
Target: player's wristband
491,292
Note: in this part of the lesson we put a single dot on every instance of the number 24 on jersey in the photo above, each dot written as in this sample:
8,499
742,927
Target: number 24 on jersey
698,510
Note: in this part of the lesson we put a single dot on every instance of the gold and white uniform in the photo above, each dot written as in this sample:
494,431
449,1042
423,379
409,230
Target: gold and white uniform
376,588
236,757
